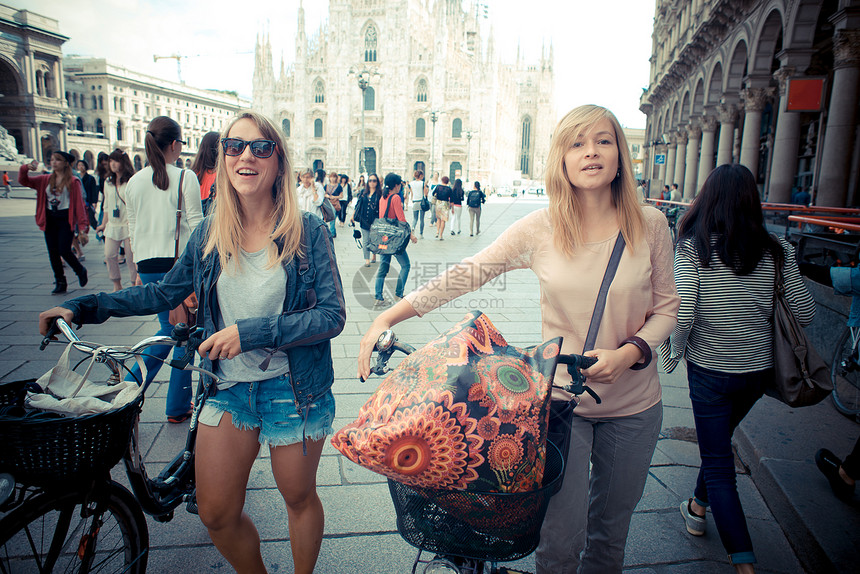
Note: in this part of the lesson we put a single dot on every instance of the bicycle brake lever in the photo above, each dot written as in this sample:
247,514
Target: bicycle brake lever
194,339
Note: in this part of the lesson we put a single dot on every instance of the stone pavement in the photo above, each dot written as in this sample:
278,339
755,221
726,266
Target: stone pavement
776,443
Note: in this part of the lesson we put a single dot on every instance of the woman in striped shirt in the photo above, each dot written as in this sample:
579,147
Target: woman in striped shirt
724,272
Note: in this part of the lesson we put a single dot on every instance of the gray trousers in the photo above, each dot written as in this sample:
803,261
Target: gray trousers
586,525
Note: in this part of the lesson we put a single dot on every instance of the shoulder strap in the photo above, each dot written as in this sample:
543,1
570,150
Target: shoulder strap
388,205
178,217
600,304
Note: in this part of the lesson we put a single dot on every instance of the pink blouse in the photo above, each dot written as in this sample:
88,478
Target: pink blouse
642,299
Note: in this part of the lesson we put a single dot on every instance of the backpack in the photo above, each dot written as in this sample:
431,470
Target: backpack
474,199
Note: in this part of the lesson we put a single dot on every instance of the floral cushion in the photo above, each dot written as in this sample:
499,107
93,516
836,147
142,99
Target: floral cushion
466,412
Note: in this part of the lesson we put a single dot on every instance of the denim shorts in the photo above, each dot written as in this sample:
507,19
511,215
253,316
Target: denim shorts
268,405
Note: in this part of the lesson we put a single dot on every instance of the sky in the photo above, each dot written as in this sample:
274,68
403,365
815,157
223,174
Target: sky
601,48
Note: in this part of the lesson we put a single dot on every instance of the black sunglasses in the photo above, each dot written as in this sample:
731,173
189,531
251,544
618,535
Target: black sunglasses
183,142
260,148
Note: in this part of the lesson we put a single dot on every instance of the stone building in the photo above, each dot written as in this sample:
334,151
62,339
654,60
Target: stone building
770,84
414,84
31,84
109,106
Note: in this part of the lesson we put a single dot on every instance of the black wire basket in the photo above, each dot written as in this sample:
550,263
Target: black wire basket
41,449
490,526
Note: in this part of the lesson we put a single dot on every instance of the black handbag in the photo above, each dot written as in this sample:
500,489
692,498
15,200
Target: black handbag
800,376
425,204
327,210
388,236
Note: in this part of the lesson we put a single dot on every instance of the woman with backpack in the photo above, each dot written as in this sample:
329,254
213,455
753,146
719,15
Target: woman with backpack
474,201
367,211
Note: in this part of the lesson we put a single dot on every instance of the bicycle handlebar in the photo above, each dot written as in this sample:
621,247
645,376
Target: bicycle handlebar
388,343
182,335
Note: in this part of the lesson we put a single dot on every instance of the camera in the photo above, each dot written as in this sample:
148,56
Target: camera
116,213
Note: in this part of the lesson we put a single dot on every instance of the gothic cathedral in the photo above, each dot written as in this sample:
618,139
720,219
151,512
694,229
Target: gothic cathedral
399,85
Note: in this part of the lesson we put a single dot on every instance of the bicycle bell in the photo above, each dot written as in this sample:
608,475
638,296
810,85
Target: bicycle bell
385,341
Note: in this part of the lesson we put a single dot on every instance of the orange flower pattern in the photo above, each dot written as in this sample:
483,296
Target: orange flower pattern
465,412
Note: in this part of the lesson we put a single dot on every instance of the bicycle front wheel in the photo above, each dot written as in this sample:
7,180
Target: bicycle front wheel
62,533
845,372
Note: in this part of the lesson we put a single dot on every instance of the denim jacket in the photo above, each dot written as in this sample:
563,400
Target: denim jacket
304,330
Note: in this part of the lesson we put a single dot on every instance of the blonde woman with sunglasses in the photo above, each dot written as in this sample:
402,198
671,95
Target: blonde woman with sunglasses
267,325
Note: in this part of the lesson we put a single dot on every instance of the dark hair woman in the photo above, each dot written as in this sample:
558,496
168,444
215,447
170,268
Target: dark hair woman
115,223
204,168
391,195
59,210
367,211
724,271
153,197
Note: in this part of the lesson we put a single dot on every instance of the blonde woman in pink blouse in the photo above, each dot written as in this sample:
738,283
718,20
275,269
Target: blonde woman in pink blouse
592,197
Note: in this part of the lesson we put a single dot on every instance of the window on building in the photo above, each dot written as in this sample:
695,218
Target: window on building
122,104
319,92
137,136
456,171
68,99
136,108
100,128
95,105
79,124
420,127
525,148
101,103
634,149
115,104
370,40
285,125
457,128
75,99
40,83
318,128
119,130
49,85
421,92
369,99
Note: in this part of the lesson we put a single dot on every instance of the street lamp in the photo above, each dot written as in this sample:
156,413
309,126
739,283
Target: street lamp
363,82
469,135
434,117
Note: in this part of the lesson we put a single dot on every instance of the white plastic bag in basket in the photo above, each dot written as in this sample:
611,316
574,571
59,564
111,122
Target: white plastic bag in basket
70,393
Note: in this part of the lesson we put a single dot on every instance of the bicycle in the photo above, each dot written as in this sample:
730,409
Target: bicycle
85,521
458,543
845,373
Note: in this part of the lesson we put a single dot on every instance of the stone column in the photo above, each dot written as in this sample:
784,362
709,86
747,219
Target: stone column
783,168
661,170
754,102
841,120
728,116
694,132
681,160
706,161
670,160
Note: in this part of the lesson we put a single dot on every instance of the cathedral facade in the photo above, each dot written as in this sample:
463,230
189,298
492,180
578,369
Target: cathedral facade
414,85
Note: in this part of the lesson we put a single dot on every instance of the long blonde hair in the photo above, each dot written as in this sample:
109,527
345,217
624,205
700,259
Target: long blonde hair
565,207
226,229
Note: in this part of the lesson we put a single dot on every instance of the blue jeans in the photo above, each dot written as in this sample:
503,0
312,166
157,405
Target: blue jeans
416,215
720,402
384,264
331,227
179,388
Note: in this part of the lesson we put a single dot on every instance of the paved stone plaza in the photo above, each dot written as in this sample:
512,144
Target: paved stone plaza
360,522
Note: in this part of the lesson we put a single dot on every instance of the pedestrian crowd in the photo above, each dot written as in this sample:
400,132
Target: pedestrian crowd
251,237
